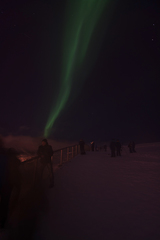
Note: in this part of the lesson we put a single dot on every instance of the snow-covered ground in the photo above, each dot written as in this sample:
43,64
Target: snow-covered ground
97,197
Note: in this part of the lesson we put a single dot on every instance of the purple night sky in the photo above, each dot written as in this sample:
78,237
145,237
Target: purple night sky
120,96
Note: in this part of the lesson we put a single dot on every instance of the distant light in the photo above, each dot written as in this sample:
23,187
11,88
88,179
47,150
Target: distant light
153,24
152,39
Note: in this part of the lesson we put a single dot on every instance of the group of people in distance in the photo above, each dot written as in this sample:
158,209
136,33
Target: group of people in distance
115,147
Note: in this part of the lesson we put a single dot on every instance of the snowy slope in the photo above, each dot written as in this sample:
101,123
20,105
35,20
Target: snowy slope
97,197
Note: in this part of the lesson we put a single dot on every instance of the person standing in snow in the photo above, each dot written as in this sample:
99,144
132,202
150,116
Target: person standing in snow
82,143
130,145
113,148
45,152
92,146
105,147
133,144
118,148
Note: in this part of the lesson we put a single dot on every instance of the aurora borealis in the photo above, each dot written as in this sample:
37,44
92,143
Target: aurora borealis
80,69
82,17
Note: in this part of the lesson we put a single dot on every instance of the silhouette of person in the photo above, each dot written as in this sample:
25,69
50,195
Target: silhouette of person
92,146
82,143
113,148
133,144
45,152
118,147
105,147
130,145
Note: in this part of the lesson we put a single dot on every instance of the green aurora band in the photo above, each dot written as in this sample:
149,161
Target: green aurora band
82,18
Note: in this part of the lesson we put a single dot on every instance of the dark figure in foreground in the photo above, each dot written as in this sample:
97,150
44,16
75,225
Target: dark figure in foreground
92,146
82,143
9,178
118,148
5,186
45,152
113,148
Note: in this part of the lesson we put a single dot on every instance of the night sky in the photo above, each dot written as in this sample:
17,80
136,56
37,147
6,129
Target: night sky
120,95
